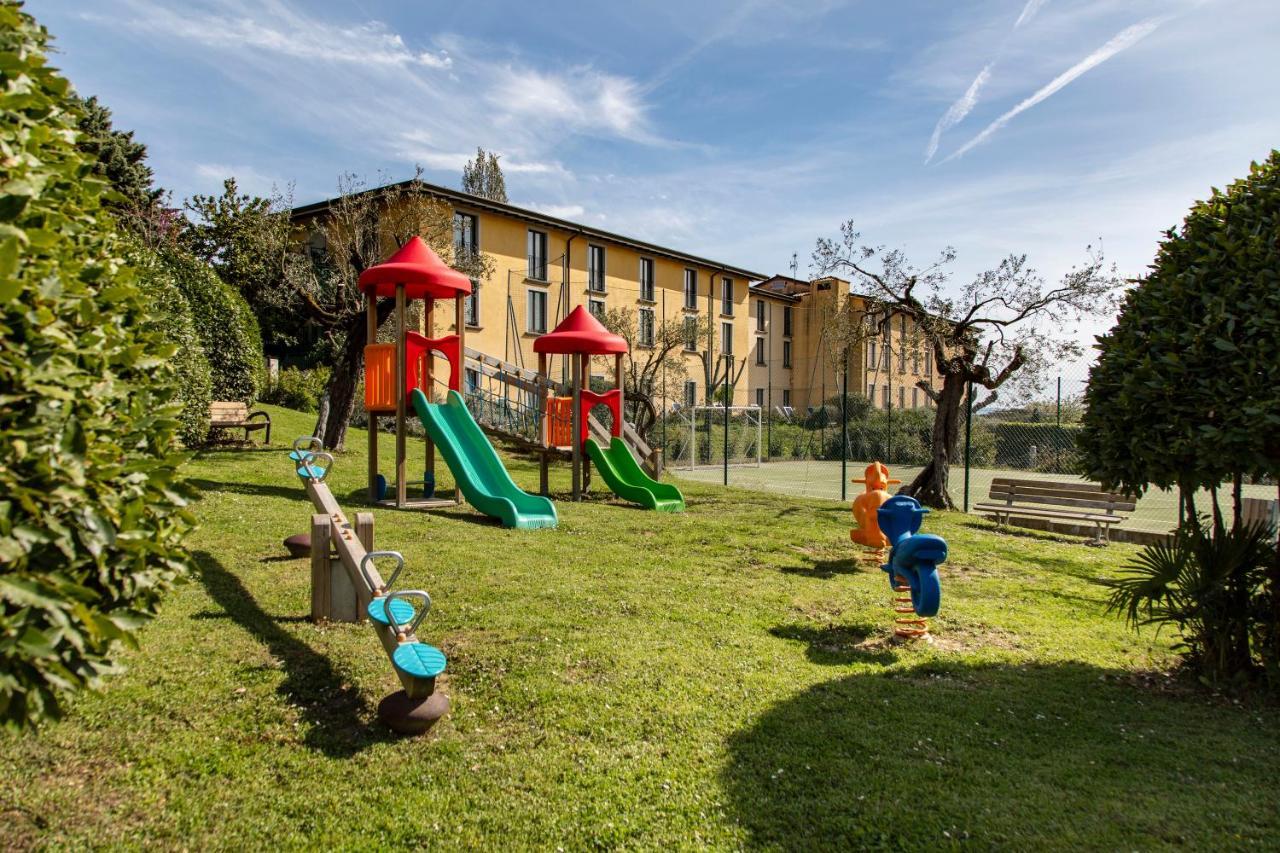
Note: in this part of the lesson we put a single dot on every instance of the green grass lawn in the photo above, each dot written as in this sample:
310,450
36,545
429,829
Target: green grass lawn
720,677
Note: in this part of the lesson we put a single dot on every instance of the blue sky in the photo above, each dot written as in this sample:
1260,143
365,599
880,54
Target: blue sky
738,130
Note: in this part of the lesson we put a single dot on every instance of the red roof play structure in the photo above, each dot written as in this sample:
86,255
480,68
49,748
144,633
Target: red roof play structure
420,270
580,333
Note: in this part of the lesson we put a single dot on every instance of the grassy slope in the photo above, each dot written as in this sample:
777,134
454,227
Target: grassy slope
718,676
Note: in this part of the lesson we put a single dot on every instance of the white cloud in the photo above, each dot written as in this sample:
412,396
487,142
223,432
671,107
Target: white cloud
582,99
1028,12
958,110
1123,40
248,179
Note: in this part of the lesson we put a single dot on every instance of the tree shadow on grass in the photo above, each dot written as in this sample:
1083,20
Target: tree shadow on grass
339,715
1004,756
258,490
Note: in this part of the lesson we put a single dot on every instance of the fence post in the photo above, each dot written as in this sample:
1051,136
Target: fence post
844,430
728,366
968,439
1057,434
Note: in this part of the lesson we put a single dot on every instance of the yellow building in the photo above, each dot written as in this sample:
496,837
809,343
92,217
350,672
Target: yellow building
795,365
544,267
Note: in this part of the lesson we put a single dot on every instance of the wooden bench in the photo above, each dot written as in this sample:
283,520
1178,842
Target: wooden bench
234,415
1048,499
1261,511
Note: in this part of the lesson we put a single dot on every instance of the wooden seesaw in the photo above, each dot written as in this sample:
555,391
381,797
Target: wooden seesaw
351,589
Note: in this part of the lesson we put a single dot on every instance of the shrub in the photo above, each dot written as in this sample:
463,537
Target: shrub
1055,445
299,390
171,315
225,325
91,515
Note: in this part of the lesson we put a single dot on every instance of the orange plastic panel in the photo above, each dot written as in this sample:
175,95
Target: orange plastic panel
560,421
380,378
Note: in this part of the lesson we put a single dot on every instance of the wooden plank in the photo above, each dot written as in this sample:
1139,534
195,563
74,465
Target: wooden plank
320,569
1053,485
1005,509
1019,498
1025,489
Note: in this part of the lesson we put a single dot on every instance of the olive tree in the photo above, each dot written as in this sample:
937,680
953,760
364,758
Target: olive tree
1000,324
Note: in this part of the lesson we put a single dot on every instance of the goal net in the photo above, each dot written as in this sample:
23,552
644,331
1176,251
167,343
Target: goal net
708,434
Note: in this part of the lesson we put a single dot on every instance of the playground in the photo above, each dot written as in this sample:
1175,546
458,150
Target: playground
648,678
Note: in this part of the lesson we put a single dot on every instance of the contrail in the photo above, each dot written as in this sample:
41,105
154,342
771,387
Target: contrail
957,111
1121,41
1029,12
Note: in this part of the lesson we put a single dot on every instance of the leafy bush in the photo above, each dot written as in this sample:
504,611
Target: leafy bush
225,325
1055,445
1208,585
91,506
299,390
171,314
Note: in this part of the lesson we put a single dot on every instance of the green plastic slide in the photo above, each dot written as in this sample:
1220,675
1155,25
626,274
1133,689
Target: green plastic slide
629,481
479,472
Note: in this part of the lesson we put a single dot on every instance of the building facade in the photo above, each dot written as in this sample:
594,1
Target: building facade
544,267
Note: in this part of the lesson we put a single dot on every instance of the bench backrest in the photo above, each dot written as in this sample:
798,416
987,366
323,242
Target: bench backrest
227,412
1069,494
1260,510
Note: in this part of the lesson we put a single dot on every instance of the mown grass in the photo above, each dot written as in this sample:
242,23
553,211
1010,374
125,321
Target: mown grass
720,677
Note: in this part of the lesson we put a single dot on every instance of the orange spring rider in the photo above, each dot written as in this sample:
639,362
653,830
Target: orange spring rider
865,509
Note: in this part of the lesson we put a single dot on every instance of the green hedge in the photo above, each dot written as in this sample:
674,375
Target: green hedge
172,316
299,390
1055,445
91,505
226,326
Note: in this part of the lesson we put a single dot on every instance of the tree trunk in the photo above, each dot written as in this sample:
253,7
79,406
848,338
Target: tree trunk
343,377
930,485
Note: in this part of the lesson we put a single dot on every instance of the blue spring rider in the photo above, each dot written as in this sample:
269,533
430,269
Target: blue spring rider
915,556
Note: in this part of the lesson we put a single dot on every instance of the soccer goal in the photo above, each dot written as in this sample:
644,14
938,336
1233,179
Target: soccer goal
710,431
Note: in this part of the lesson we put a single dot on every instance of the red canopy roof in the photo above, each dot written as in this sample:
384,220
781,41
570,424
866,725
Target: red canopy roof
580,332
420,270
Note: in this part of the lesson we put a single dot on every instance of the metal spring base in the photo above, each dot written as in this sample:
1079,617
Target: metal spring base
907,625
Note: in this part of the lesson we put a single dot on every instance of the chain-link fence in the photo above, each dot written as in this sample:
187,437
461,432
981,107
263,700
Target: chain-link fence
817,452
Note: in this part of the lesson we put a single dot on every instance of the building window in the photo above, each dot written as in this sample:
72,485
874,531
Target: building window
786,353
471,378
691,334
928,362
884,357
915,360
759,315
902,397
466,235
691,289
726,297
871,355
596,307
595,268
760,351
786,398
690,393
871,392
537,311
786,320
646,327
915,398
760,398
471,306
537,250
726,338
884,396
646,279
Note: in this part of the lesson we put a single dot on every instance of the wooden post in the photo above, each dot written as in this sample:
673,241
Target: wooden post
544,424
364,532
371,337
575,423
460,327
320,569
402,487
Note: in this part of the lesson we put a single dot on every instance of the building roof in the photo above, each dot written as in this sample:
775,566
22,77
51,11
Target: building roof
420,270
580,333
781,287
476,202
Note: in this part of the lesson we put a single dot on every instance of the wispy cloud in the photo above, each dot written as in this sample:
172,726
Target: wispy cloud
560,211
1028,12
1123,40
958,110
248,179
